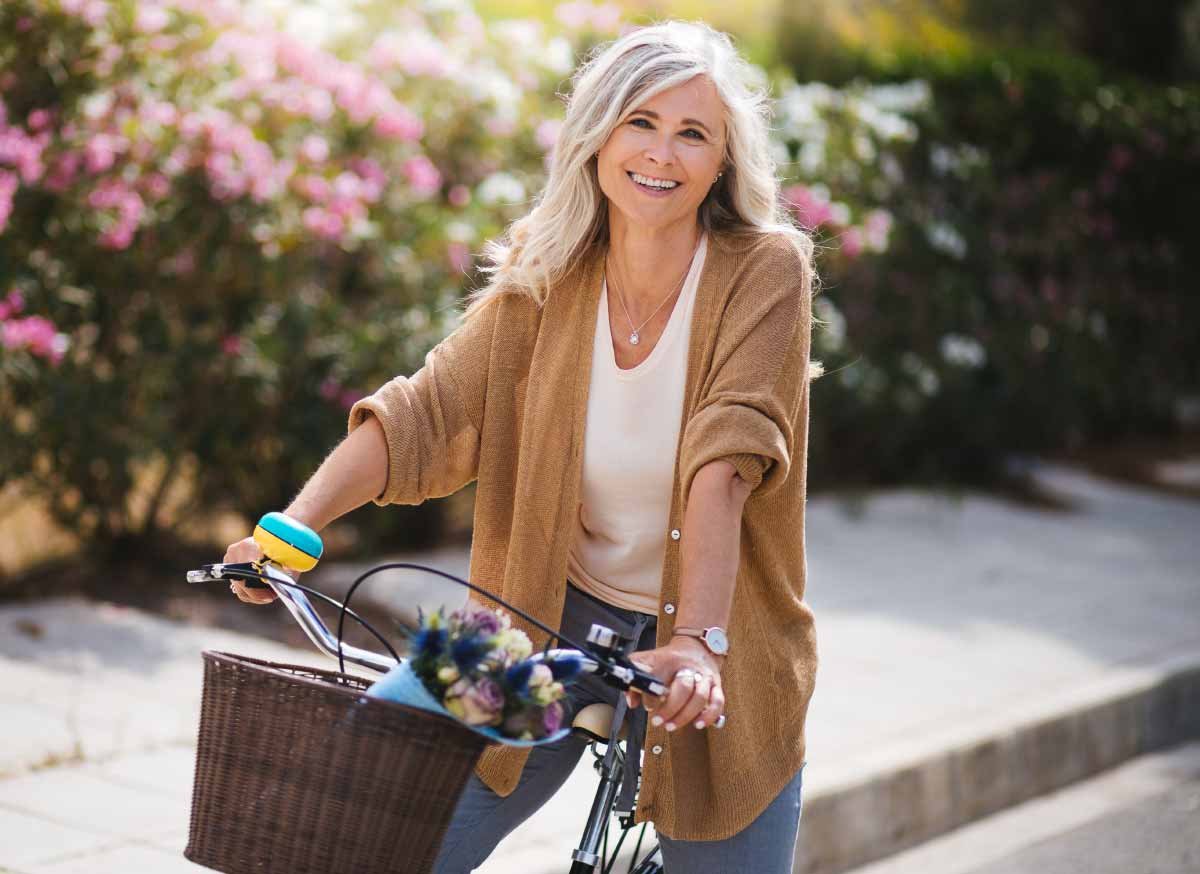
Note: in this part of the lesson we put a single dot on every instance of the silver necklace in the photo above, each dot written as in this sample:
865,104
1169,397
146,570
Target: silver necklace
635,337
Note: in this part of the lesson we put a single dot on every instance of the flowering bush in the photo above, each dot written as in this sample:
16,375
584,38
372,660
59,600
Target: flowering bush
196,205
478,667
1028,285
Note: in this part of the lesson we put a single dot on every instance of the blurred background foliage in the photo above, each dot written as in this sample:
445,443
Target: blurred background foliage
220,225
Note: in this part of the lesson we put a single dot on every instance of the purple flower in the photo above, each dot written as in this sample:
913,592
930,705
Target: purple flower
552,717
486,622
478,703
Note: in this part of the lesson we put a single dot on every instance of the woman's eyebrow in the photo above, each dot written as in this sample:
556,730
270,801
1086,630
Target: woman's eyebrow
654,115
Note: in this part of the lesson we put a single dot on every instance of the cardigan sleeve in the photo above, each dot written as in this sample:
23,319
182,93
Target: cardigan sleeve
756,388
432,420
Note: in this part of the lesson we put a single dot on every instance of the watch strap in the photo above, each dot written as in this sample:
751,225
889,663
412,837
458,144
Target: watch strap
702,634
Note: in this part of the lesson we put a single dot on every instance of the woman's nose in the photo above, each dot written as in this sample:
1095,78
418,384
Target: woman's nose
662,151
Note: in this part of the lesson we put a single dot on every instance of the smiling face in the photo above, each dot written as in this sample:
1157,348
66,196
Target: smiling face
677,136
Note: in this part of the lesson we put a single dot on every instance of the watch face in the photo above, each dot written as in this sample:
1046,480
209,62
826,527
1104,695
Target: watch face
717,641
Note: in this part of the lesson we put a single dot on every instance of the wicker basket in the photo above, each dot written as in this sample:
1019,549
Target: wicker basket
298,773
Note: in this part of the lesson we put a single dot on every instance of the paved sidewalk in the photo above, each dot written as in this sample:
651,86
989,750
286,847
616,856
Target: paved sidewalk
1140,816
973,654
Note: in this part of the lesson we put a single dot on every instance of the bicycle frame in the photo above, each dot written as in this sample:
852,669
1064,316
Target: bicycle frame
591,856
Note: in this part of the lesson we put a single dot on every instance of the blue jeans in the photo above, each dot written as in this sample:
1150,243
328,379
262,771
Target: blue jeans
482,818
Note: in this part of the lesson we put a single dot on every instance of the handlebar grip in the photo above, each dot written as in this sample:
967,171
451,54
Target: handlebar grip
287,542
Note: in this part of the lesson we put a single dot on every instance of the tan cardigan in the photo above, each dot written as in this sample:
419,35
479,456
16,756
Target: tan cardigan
503,400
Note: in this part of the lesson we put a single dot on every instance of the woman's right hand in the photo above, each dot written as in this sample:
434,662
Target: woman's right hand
248,550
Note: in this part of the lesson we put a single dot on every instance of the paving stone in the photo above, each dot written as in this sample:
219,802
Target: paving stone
78,799
30,840
125,859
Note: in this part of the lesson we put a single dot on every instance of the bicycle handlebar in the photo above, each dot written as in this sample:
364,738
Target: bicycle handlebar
613,667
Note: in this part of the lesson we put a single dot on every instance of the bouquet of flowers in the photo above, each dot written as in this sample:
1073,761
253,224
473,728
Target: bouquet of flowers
473,665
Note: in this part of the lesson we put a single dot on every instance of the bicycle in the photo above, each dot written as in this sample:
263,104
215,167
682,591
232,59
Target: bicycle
287,544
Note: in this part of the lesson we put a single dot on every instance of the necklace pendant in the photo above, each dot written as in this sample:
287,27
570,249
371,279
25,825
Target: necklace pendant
633,338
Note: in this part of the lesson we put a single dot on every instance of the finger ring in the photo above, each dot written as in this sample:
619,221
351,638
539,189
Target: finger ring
685,674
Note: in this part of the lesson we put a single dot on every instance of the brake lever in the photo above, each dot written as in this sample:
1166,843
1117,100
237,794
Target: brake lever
211,573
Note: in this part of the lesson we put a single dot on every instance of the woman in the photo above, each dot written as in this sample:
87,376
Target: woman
631,392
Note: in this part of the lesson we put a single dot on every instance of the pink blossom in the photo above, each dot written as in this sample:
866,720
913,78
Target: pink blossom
91,11
150,19
100,152
459,195
347,209
323,223
315,188
423,177
547,133
852,243
119,237
8,188
37,334
159,112
372,178
314,149
114,194
156,185
811,209
15,301
361,98
39,119
24,24
23,152
347,185
459,255
231,345
63,171
399,123
178,161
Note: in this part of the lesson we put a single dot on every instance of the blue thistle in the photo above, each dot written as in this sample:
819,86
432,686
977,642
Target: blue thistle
518,676
467,652
429,643
565,668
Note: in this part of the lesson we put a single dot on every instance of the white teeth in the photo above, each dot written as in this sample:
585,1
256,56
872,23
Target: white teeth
653,183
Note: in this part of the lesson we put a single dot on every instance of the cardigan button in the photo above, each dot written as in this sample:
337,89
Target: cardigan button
668,609
675,534
656,749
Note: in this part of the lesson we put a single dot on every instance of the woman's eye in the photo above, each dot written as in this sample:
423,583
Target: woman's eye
690,130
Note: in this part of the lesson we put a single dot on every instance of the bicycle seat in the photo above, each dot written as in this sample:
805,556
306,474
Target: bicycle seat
594,722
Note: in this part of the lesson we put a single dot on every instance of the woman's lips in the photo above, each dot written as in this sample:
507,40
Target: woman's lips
653,192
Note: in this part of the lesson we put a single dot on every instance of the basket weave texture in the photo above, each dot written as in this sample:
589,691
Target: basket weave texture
297,772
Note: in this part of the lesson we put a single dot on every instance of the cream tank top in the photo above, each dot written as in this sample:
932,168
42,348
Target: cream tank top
630,438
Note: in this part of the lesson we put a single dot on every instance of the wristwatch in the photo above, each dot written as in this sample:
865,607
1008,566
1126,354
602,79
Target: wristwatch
714,638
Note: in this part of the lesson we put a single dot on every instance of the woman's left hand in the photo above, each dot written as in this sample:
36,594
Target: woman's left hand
693,674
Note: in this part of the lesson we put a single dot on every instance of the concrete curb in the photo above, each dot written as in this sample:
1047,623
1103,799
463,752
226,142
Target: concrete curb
931,787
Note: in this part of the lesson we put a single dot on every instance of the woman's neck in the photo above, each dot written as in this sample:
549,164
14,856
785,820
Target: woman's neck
649,262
